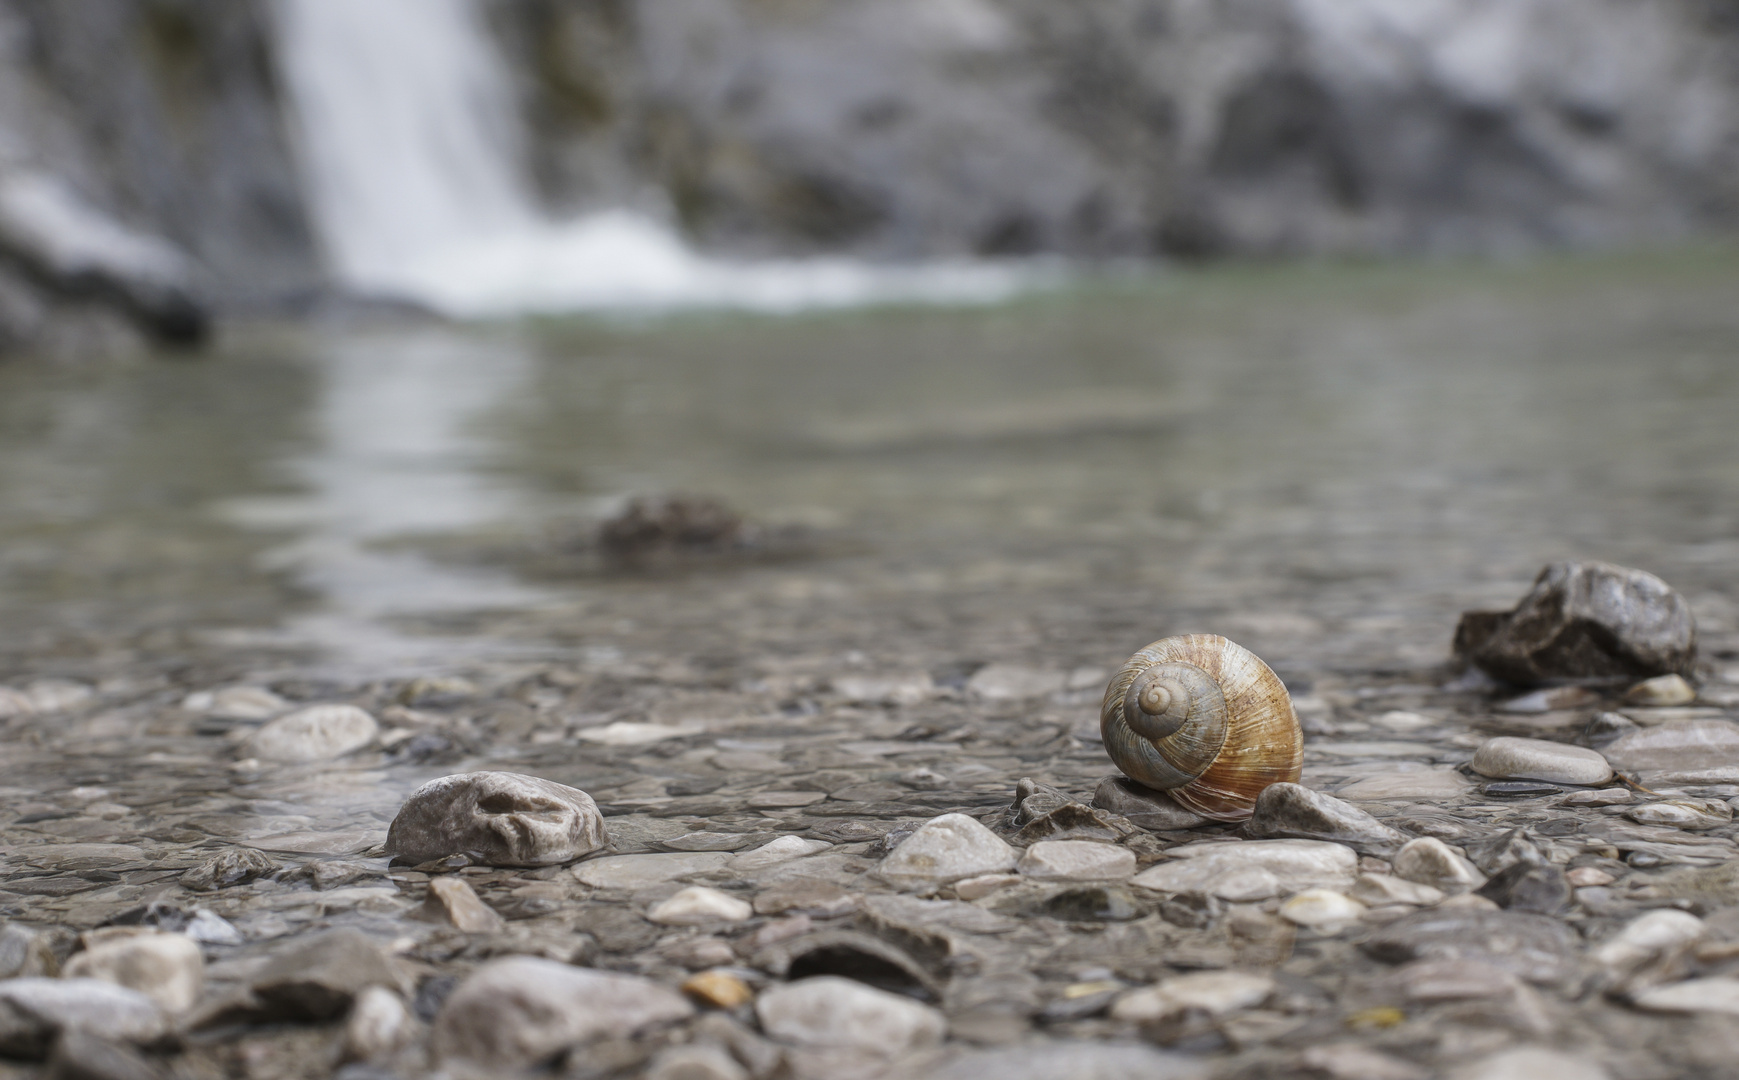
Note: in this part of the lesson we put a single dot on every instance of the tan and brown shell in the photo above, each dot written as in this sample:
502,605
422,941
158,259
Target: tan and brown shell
1204,719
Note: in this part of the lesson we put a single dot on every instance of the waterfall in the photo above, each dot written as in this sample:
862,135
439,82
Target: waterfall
410,147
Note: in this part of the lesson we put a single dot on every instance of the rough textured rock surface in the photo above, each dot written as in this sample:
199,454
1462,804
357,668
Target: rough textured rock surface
1293,810
499,819
1584,621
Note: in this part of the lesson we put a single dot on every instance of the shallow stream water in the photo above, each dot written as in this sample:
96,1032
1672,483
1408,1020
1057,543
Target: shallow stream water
1324,463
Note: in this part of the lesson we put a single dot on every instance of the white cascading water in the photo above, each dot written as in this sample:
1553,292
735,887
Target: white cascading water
410,147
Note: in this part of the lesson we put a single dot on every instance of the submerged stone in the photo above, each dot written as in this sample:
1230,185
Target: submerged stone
1253,869
518,1012
828,1012
317,733
946,849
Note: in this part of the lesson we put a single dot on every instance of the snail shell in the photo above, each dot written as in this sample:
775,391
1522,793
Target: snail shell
1204,719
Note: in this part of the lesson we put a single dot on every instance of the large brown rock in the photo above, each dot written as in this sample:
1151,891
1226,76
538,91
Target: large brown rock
1584,621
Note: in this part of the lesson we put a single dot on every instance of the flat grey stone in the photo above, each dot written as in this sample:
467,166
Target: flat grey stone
639,871
1253,869
1077,860
832,1013
1508,758
317,733
1295,811
1067,1061
1679,752
1534,947
498,819
1152,810
520,1011
1429,861
34,1010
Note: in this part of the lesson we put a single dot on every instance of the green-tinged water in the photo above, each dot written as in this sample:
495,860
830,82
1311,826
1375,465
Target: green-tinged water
1316,446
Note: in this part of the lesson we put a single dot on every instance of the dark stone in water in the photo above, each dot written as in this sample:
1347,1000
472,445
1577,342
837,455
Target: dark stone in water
1586,621
1093,904
1526,886
1520,789
676,523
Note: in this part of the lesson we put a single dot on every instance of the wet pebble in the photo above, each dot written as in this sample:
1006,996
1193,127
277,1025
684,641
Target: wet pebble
1427,784
1645,939
234,866
977,888
1378,890
1216,993
943,850
33,1011
1452,980
1531,1063
167,968
781,849
1076,860
1718,994
515,1012
317,733
640,871
1536,759
1682,813
1075,1060
1149,809
1253,869
1323,910
80,1055
832,1013
498,819
378,1025
1661,690
1679,752
1429,861
318,977
719,989
695,1061
698,905
806,896
1010,682
452,900
1293,810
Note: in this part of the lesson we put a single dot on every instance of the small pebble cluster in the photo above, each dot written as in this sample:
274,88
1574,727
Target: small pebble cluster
1472,880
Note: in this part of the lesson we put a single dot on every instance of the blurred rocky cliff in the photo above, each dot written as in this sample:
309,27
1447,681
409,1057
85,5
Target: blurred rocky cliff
149,174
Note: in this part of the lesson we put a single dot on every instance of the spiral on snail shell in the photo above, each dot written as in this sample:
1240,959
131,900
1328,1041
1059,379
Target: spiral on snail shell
1205,720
